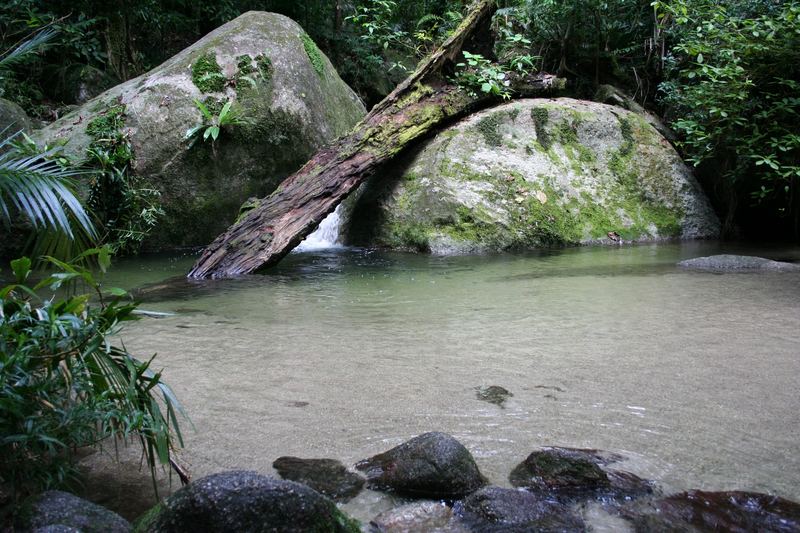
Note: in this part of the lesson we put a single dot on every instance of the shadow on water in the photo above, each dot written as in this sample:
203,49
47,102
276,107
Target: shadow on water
320,266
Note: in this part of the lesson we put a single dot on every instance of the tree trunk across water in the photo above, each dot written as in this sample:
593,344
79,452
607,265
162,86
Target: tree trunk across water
425,100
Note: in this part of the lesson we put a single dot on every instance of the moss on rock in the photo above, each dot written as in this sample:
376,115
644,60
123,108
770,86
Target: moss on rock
572,173
207,74
291,111
313,53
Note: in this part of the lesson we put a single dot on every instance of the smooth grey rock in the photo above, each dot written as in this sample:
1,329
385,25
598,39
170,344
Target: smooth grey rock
727,262
533,173
247,501
326,476
293,111
431,465
498,509
57,511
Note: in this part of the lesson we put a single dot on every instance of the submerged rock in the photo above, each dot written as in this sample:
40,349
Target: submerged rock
288,92
420,517
571,472
733,511
431,465
247,501
499,509
326,476
55,510
493,394
726,262
534,173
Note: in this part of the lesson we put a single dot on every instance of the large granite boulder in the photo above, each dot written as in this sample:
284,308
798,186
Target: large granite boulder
431,465
276,76
55,510
247,501
534,173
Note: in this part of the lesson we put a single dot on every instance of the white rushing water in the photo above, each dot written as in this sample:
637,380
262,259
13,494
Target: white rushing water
326,235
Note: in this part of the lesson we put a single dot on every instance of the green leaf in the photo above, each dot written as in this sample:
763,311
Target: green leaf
104,259
21,268
116,291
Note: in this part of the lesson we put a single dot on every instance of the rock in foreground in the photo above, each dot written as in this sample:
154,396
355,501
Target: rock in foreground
727,262
432,465
571,472
534,173
499,509
734,511
326,476
61,511
420,517
247,501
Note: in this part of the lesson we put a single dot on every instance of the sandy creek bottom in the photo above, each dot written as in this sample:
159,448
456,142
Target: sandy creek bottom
693,376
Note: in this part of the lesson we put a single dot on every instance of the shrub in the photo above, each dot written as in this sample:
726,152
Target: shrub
64,385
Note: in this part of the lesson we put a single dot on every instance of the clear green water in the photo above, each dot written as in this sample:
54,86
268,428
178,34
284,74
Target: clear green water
694,376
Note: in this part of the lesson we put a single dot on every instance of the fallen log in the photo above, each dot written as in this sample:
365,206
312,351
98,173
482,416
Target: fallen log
425,100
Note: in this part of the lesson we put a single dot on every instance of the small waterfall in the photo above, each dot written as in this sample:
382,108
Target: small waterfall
326,235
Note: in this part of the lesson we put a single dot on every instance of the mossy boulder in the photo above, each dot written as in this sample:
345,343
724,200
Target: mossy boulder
293,101
247,501
534,173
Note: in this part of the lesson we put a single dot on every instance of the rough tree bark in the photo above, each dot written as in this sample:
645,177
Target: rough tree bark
426,99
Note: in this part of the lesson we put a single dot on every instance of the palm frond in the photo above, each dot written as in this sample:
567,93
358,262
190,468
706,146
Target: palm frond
20,53
42,191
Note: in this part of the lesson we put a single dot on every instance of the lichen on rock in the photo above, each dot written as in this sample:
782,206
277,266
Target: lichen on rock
533,173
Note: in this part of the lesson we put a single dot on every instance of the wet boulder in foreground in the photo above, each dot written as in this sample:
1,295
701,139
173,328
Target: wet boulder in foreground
55,510
419,517
247,501
576,472
499,509
728,262
732,511
432,465
327,476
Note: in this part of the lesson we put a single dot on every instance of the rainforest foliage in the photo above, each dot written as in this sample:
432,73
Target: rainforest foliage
724,75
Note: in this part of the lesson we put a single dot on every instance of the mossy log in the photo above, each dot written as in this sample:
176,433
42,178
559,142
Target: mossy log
425,100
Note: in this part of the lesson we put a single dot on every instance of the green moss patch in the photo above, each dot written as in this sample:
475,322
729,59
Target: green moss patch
489,128
313,53
540,118
207,74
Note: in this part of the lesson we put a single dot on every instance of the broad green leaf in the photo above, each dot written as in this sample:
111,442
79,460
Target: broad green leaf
21,268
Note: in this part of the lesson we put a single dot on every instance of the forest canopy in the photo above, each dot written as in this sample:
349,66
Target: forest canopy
724,76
